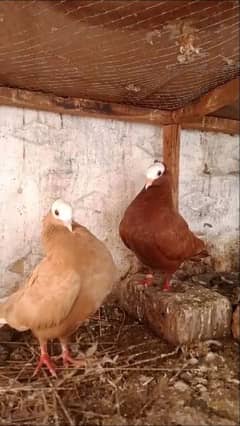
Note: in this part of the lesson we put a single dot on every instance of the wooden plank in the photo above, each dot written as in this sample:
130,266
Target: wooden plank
214,124
217,98
171,155
83,107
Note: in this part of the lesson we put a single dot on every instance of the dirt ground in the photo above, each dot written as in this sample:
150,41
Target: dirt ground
132,377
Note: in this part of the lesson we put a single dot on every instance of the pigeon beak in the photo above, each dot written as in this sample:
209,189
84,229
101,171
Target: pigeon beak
148,183
68,224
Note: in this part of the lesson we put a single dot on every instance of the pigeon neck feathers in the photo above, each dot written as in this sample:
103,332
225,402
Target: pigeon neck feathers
160,191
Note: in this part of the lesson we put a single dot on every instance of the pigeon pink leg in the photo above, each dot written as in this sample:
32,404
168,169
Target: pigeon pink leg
45,359
148,280
167,284
68,359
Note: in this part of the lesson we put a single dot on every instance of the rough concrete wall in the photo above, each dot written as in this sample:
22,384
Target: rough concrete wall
209,192
98,165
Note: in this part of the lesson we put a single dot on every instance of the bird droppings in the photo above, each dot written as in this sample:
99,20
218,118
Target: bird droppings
186,38
133,88
187,50
136,379
193,361
181,386
210,357
227,61
54,29
153,36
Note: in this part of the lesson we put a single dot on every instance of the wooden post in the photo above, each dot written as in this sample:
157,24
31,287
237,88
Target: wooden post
171,155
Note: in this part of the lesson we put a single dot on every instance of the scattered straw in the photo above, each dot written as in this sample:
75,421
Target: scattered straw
126,367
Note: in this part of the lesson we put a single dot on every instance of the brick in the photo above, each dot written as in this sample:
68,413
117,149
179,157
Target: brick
189,313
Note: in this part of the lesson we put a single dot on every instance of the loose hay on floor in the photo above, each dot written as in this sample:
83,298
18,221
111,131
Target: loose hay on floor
135,378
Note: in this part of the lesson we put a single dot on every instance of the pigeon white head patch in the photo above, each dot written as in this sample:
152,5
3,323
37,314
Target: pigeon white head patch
154,172
63,212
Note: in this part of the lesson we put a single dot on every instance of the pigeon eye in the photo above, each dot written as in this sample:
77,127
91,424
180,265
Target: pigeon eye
159,173
56,212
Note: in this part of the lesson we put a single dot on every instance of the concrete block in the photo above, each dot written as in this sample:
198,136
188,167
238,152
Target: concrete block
189,313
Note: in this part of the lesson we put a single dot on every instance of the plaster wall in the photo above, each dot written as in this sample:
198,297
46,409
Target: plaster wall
98,166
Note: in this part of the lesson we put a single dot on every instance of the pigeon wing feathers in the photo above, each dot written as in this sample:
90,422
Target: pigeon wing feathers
175,239
46,300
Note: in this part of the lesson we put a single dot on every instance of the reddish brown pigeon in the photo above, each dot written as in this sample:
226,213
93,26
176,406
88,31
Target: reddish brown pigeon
153,229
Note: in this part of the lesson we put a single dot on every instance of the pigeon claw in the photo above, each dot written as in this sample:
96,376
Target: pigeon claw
148,281
45,360
167,286
68,359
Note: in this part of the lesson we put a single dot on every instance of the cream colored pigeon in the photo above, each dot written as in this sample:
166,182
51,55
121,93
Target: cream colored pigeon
65,288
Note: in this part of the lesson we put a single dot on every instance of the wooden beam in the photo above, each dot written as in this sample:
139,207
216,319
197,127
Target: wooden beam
82,107
171,155
85,107
214,124
217,98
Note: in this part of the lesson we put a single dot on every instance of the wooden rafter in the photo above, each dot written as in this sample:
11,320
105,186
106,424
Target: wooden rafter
82,107
214,124
190,117
217,98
